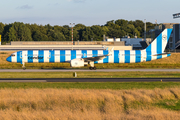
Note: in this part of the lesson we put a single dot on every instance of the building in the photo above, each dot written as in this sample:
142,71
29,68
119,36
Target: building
175,44
134,42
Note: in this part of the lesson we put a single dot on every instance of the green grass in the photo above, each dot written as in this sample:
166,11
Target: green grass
3,53
169,104
90,74
90,85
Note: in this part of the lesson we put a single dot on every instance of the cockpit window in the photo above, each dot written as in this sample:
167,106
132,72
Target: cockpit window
12,55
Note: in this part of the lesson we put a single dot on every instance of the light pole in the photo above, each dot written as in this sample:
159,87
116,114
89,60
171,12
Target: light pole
144,29
72,24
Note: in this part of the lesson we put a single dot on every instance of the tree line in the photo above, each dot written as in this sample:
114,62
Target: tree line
18,31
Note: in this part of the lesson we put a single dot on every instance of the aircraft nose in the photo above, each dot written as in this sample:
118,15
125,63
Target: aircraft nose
8,59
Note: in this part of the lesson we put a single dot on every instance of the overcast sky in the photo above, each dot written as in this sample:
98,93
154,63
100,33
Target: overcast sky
87,12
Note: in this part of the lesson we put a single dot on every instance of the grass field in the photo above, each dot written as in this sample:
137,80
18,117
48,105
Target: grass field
90,104
90,101
170,62
93,85
132,74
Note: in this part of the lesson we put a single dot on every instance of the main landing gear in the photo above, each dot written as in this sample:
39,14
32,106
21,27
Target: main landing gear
92,66
24,68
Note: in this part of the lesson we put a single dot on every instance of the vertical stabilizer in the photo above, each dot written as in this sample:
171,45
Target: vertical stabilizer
159,44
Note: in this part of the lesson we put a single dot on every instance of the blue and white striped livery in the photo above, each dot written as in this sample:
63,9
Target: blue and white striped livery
80,58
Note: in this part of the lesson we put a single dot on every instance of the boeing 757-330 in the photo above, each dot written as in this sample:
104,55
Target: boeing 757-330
81,58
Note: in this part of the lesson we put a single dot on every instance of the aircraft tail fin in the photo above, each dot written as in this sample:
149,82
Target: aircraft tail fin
159,44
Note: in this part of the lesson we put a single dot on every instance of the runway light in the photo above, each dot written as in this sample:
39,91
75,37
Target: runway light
161,80
74,74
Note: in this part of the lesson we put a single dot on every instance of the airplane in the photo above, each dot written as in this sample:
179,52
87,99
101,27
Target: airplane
81,58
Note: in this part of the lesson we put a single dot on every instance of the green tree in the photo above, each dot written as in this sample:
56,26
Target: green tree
75,35
38,36
19,32
110,23
79,29
12,34
115,33
87,34
121,22
1,28
139,25
66,32
97,32
55,35
105,29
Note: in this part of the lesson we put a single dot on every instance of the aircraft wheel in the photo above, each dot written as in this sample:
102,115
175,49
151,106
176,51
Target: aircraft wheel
92,68
24,68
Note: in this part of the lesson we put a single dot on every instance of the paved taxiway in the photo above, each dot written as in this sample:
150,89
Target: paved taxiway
87,70
90,80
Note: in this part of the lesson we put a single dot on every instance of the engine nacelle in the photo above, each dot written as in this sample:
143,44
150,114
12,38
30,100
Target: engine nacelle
77,63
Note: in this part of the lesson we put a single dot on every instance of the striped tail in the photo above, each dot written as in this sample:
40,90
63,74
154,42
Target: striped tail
159,44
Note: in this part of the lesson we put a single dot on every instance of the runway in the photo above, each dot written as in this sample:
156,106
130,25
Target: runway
87,70
91,80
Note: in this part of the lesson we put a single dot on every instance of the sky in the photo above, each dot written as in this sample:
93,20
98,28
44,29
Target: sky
87,12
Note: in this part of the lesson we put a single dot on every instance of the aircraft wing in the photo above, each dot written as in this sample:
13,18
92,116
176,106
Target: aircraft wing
97,58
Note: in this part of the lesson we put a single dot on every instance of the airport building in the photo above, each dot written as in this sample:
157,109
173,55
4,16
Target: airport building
77,45
134,42
175,44
127,41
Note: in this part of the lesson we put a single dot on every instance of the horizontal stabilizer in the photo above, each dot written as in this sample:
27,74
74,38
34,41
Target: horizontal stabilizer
161,54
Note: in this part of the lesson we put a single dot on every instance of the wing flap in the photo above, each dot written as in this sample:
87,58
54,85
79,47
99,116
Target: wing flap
97,58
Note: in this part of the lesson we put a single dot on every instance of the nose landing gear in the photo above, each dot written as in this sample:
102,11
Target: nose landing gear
24,68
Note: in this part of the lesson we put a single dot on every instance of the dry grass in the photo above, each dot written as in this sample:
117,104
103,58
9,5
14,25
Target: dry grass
76,104
170,62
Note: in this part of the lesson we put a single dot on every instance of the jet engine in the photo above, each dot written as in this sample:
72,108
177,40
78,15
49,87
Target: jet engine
78,63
